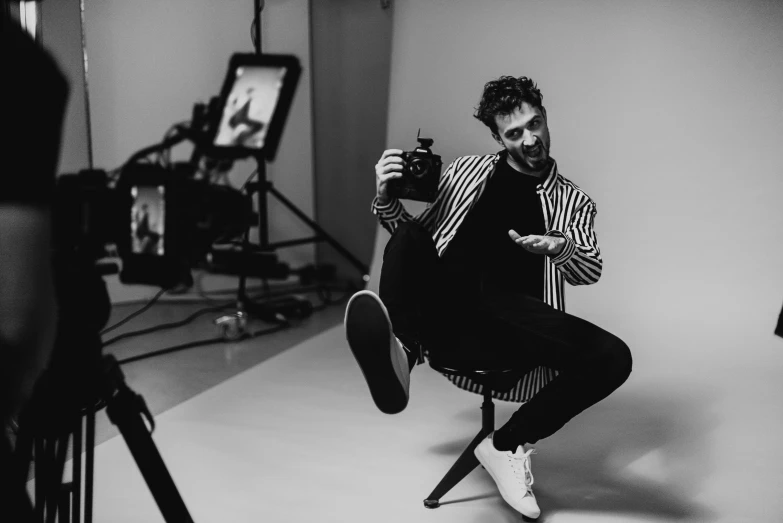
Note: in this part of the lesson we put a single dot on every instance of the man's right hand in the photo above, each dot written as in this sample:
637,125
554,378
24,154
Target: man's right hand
388,168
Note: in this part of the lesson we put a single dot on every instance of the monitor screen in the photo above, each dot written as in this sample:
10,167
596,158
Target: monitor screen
249,106
148,220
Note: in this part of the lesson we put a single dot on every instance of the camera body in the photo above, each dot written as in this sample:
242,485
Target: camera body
420,174
162,220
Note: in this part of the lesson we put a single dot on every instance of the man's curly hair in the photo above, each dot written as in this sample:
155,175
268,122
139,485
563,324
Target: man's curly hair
502,96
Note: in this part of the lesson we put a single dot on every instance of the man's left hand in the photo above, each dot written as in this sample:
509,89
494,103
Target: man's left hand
551,245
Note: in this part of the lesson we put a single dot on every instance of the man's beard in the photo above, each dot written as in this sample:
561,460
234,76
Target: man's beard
538,162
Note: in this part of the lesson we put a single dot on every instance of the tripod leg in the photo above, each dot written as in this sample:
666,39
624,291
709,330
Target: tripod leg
59,450
22,456
13,481
302,216
76,466
124,408
89,465
64,506
40,458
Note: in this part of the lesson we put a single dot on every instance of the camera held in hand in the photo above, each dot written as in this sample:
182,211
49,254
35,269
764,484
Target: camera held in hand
420,174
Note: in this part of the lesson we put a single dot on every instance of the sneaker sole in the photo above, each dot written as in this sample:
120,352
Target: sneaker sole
369,335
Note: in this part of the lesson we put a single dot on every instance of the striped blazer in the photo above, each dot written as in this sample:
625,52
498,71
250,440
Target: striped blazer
568,213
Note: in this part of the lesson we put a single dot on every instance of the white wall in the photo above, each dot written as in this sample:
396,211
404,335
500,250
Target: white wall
668,114
151,60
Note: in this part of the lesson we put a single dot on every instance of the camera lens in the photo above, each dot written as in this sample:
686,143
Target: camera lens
418,168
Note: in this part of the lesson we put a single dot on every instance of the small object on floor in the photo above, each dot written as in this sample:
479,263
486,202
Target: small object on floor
232,326
380,355
512,474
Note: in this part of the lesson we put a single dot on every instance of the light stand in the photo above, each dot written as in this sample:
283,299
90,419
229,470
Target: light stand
260,188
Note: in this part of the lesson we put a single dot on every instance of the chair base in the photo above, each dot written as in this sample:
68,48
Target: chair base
467,460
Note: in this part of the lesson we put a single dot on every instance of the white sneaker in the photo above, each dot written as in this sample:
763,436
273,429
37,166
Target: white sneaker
512,474
380,355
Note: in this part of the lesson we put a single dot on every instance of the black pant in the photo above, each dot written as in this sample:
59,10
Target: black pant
467,320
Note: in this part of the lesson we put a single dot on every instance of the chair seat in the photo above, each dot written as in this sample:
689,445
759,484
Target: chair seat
460,370
498,379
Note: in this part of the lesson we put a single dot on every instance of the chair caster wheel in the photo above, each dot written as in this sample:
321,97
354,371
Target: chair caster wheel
431,503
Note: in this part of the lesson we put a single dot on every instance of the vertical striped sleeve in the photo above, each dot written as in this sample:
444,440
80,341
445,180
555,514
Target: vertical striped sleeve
432,214
580,261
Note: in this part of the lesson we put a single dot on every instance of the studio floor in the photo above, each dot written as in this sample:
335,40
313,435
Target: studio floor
282,429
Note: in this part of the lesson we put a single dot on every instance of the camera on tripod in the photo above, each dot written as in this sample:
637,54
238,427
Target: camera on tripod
162,220
165,218
420,173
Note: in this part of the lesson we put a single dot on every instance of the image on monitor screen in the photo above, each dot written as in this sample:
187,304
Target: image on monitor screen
148,220
249,107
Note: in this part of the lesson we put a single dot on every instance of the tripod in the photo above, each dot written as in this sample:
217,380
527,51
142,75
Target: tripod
261,189
48,432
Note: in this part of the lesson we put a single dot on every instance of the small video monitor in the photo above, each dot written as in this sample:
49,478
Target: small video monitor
254,105
148,220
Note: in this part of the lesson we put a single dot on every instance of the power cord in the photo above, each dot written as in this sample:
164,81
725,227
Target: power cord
134,314
165,326
323,292
201,343
231,332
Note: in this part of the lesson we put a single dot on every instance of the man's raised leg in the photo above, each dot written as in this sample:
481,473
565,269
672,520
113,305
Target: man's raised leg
383,332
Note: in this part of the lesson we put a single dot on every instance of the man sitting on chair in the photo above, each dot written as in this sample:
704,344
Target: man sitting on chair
478,279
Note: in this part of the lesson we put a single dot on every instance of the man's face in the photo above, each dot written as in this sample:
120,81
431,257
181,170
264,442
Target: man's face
525,135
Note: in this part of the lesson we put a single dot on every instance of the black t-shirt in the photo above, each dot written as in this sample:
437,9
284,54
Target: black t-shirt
35,94
482,253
